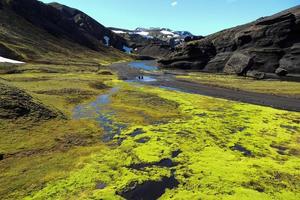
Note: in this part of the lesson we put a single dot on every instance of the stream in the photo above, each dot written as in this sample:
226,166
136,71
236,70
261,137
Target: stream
100,109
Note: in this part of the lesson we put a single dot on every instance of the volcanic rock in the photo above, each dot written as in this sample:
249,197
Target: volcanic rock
270,42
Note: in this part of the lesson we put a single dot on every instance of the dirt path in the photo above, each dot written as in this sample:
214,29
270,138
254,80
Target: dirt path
162,80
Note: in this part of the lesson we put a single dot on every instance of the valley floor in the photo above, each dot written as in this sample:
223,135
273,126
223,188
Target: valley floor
117,139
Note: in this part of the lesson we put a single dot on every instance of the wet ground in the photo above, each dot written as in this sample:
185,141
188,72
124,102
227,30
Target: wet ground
147,72
102,113
167,80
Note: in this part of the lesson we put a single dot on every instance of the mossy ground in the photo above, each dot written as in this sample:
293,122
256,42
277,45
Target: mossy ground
275,87
226,150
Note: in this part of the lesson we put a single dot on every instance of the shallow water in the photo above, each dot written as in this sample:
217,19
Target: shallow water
144,65
146,79
100,111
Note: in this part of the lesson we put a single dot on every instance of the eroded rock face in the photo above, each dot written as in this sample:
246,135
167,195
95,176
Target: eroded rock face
291,59
63,21
197,55
271,42
15,103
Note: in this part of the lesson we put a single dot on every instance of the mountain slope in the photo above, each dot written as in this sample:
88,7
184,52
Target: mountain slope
270,44
49,34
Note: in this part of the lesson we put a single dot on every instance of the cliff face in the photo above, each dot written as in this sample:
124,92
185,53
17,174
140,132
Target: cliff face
269,44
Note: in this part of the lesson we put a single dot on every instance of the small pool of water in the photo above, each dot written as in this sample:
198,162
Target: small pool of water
144,65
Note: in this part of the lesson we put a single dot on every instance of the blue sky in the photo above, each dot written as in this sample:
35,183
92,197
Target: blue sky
201,17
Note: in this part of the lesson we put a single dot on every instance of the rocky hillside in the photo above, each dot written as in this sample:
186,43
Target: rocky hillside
270,44
155,42
31,30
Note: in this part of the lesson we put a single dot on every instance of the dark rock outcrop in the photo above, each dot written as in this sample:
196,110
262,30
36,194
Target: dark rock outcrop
238,64
197,55
270,42
66,22
15,103
153,50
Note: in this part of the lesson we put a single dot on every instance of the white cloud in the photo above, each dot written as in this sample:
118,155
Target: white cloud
174,3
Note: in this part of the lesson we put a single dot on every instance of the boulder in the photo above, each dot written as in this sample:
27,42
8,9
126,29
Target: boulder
238,64
281,72
256,74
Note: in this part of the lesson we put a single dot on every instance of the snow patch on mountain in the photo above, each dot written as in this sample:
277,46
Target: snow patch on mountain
106,39
6,60
119,32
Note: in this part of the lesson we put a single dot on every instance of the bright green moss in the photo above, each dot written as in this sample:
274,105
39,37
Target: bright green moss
229,150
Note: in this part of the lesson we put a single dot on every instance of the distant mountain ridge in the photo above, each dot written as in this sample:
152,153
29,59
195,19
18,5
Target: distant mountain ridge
155,42
164,34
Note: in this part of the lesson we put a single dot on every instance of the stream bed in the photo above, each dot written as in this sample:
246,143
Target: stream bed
100,111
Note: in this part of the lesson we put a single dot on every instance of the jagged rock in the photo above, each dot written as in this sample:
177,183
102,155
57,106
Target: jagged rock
15,103
281,72
272,42
255,74
238,64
